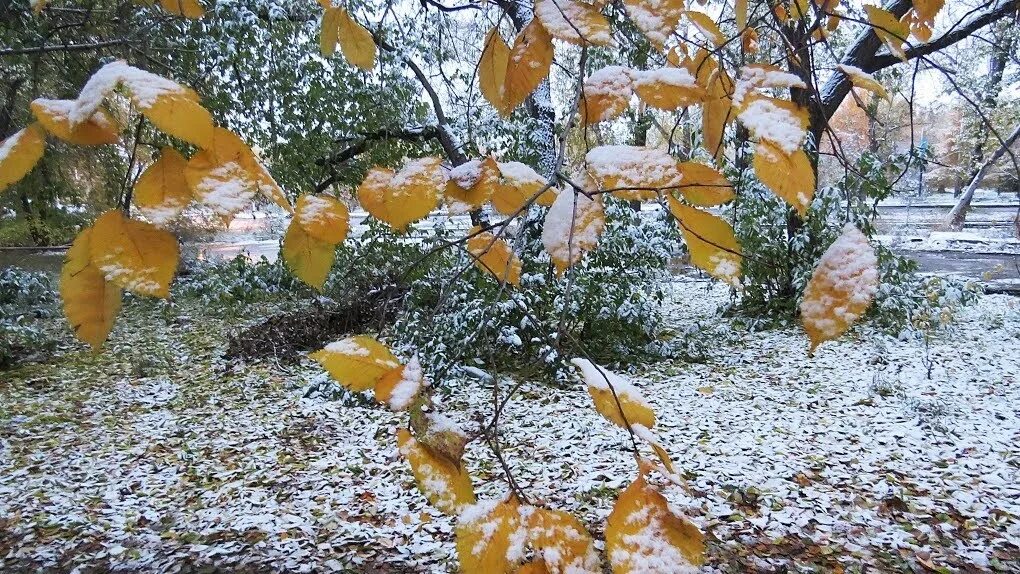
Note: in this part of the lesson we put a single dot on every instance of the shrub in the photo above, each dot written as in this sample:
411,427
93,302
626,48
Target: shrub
235,282
25,298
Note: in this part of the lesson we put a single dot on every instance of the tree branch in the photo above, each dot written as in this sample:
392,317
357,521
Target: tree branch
63,48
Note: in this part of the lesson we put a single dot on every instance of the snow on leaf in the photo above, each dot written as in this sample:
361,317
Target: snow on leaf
864,80
188,8
329,30
309,257
704,185
406,196
789,176
323,217
667,88
224,187
644,535
574,22
134,255
606,94
494,256
572,227
471,184
356,42
779,121
762,76
100,129
657,19
623,166
492,71
562,542
19,153
91,303
841,288
490,537
710,240
517,185
446,484
530,59
398,388
889,29
358,363
143,87
162,192
613,393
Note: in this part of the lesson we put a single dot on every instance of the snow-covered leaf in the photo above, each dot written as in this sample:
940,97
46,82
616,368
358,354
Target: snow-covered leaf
572,227
667,88
445,483
100,129
574,21
606,94
561,541
613,393
490,537
517,185
864,80
323,217
841,288
406,196
358,363
782,122
645,169
20,152
657,19
789,176
644,535
162,192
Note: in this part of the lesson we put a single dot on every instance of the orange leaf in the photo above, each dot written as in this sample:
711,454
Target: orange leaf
492,68
358,363
446,484
789,176
19,153
494,256
704,185
528,64
134,255
323,217
162,192
91,303
309,257
710,240
100,129
603,383
404,197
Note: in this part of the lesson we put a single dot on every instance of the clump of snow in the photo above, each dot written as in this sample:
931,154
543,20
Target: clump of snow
657,19
226,188
412,379
609,81
521,174
314,208
570,20
632,166
759,76
664,77
349,346
144,87
440,423
466,175
8,145
572,226
767,120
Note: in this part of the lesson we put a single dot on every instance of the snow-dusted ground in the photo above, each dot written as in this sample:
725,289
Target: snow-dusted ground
157,457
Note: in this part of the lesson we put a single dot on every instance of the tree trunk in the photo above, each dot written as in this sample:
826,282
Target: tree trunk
959,211
988,94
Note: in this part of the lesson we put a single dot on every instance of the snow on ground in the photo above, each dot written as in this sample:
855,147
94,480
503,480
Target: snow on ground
156,456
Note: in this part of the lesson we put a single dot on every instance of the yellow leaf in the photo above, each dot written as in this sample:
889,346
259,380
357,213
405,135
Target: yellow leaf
329,30
161,192
862,79
657,19
710,240
717,107
536,566
572,227
398,388
19,153
188,8
704,185
574,22
358,363
180,117
227,147
782,122
492,71
446,484
134,255
323,217
356,42
890,30
788,175
841,288
494,256
613,393
561,541
643,535
487,537
708,28
326,4
308,257
471,184
91,303
516,186
100,129
640,171
404,197
740,12
606,94
529,62
667,88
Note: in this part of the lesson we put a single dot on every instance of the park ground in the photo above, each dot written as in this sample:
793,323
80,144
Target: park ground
876,454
